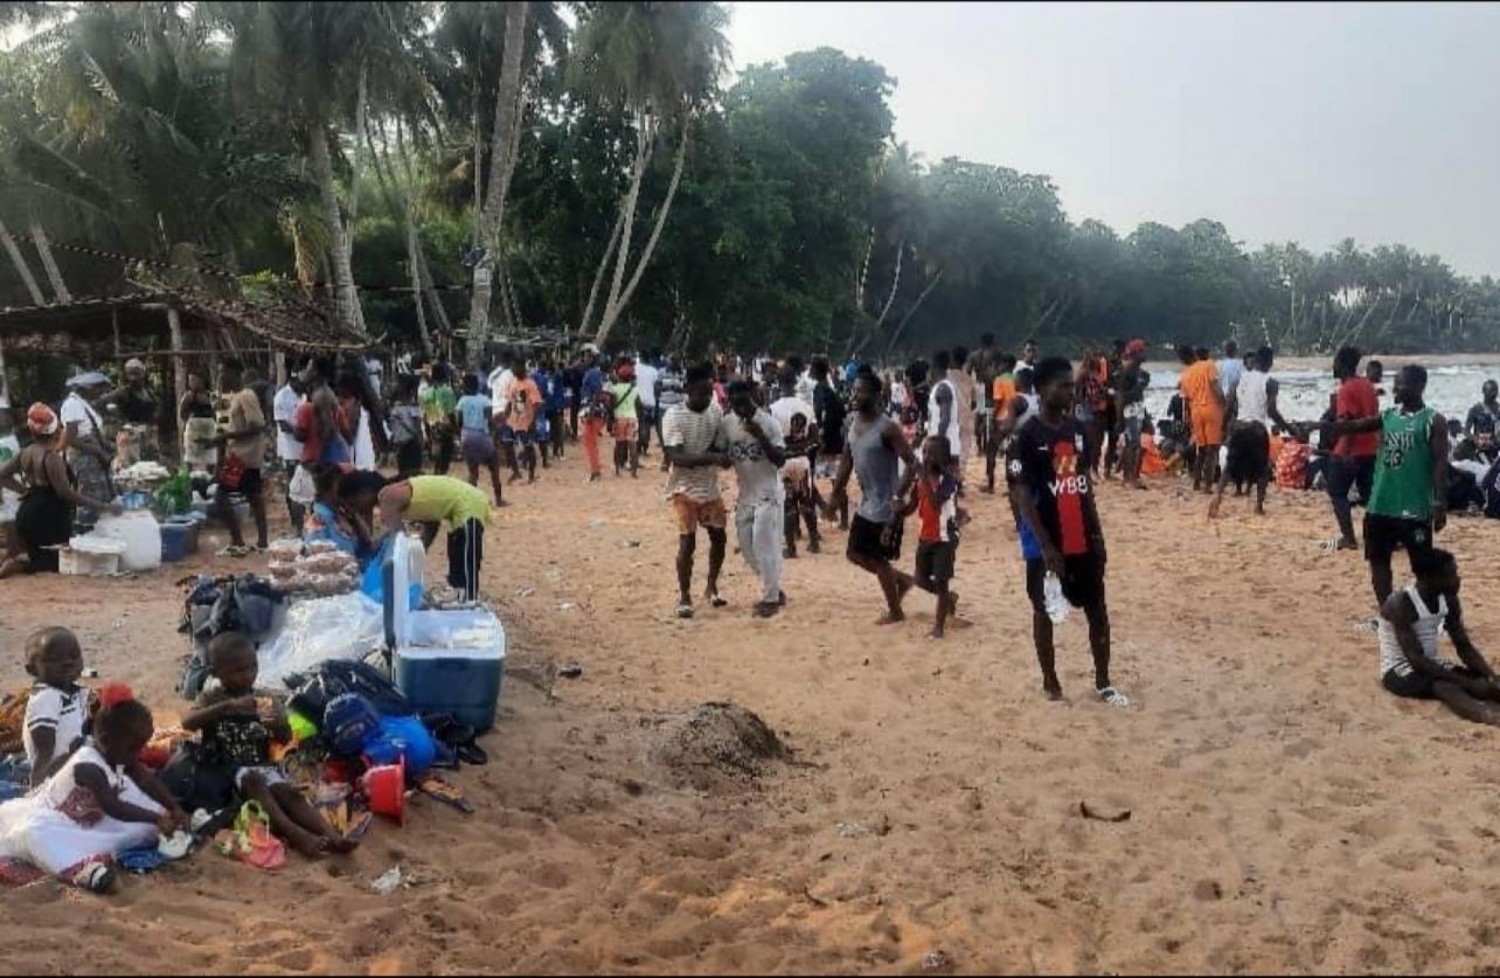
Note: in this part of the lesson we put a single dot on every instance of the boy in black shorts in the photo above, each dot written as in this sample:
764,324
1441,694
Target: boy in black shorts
936,505
1048,467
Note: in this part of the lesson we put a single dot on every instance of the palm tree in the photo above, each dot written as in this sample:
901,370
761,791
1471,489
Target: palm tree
660,63
316,66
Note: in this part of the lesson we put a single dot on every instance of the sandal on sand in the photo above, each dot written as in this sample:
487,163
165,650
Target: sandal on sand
718,602
233,551
1369,626
684,611
1114,697
95,878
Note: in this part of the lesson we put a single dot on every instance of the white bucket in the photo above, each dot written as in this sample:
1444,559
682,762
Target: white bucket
90,555
141,534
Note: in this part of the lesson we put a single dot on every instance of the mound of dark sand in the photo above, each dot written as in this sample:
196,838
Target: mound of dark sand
716,744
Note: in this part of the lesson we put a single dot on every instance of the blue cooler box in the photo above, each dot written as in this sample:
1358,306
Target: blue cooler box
452,662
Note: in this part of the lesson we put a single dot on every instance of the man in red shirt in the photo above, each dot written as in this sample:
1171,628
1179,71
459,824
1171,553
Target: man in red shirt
1352,463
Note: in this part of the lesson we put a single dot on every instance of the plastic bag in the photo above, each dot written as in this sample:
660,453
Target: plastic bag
1052,593
346,628
251,841
303,489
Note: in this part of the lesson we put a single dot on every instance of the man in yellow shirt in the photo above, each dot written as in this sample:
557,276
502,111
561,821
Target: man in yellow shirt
440,499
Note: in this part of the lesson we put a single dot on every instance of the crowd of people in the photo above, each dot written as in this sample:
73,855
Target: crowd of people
796,435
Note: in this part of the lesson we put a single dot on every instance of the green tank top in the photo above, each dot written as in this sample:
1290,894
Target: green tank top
1403,477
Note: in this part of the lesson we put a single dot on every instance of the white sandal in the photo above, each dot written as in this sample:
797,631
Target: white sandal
1114,697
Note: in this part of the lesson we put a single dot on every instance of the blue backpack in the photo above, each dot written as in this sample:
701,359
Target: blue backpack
349,722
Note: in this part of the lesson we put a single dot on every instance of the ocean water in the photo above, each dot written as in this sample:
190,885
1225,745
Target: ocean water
1304,393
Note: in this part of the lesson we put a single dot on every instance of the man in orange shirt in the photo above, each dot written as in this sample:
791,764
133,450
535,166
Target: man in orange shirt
1205,409
1002,391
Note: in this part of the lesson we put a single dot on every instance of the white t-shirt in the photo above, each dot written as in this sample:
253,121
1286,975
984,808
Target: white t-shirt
935,416
75,408
645,380
787,408
502,379
284,408
695,432
806,385
759,479
60,711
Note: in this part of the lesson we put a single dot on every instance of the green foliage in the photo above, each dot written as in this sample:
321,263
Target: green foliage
160,130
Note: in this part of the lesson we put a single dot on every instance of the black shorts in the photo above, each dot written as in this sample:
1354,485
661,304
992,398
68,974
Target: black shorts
1249,452
465,556
935,560
1416,686
866,539
1082,582
252,483
1385,534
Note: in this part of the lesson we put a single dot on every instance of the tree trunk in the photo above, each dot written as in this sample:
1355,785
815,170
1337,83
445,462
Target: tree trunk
895,285
49,262
643,146
398,197
345,298
901,327
502,165
609,252
864,272
22,269
612,314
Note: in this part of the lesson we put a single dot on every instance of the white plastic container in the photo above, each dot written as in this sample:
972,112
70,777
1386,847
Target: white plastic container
141,534
450,661
91,555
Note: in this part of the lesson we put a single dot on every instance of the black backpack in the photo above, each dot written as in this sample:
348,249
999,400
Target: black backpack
328,681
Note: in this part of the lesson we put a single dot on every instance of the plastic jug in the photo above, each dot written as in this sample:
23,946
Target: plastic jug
140,533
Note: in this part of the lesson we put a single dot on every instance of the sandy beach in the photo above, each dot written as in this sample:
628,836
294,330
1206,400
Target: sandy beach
1286,814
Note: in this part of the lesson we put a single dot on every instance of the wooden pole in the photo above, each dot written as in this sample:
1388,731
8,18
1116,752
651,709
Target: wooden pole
179,369
4,384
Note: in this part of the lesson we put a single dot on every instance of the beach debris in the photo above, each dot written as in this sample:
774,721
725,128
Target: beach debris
570,671
388,882
595,523
1208,890
525,592
175,846
716,743
851,830
937,960
632,543
566,606
1120,816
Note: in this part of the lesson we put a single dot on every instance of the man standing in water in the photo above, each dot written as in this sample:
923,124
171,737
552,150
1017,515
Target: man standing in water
693,441
1409,502
1049,467
875,450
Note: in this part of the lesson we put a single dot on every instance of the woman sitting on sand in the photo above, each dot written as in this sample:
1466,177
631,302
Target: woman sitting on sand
41,475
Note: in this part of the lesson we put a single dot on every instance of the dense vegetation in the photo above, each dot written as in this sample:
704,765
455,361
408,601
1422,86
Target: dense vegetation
500,168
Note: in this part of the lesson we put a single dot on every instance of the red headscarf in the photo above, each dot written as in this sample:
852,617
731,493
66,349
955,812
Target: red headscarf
41,419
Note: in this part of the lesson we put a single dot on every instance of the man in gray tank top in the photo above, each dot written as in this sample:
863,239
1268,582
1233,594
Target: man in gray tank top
874,450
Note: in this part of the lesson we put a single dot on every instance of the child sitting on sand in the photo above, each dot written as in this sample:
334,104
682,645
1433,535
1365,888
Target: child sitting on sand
936,503
102,802
57,708
1410,624
238,734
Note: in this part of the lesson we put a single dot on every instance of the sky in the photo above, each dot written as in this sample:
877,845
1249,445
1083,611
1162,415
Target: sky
1285,121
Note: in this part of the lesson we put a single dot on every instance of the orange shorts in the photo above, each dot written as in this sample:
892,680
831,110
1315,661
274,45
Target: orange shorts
691,514
1208,429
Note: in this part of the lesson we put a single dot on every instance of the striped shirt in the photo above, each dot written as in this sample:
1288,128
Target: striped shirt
695,432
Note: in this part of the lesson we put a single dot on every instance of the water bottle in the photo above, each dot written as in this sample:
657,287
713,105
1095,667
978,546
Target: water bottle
1052,597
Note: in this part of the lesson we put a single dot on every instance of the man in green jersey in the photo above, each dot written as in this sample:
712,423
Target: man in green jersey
1409,502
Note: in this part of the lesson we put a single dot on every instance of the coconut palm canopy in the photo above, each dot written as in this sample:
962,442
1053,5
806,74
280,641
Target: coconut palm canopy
438,172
